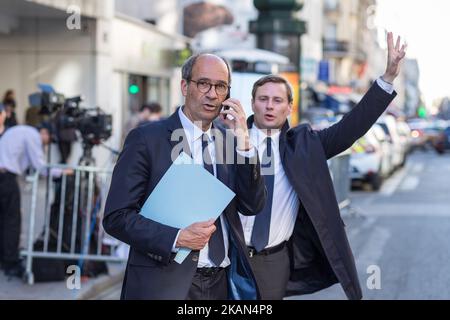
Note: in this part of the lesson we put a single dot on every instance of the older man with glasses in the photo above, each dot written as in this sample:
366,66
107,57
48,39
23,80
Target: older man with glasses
146,156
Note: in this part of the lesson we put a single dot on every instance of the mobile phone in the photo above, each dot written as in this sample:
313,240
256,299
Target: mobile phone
226,107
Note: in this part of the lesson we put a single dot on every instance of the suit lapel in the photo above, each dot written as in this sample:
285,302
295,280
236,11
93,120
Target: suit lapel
177,137
223,174
221,167
282,147
296,165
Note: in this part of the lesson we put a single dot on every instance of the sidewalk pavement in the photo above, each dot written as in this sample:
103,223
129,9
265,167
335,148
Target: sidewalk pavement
16,289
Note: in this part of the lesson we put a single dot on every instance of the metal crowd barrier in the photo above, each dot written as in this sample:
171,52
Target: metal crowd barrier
66,215
339,169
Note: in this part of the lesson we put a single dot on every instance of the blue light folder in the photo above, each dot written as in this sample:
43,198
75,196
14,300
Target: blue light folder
187,193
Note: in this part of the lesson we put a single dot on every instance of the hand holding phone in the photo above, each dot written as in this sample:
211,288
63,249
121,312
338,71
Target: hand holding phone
235,119
224,107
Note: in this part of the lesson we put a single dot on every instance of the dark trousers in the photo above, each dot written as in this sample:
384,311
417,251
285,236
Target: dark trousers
10,220
272,273
64,149
209,287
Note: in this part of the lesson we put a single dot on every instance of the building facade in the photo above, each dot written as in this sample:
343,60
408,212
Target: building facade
99,56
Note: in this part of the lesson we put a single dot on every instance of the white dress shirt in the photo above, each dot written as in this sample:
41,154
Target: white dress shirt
20,148
386,86
285,203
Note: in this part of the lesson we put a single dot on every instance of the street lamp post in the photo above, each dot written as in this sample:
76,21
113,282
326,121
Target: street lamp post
278,30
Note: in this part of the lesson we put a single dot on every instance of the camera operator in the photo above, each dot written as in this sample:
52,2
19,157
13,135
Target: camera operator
20,147
64,136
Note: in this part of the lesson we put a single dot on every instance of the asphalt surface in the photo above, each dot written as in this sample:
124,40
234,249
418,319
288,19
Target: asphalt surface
404,231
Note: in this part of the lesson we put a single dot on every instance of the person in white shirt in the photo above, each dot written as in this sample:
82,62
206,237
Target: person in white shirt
299,235
21,147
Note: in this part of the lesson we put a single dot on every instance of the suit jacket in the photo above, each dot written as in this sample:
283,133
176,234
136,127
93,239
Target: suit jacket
319,251
151,272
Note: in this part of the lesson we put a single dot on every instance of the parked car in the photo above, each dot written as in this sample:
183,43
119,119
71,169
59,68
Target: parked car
387,147
404,133
399,149
370,160
319,118
443,142
419,137
435,132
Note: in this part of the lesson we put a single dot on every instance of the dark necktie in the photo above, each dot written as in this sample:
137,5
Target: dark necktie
216,245
261,227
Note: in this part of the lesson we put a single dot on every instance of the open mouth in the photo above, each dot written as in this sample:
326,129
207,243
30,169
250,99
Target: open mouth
209,107
269,117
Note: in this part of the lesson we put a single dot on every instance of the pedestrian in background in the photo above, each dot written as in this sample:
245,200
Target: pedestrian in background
10,115
150,112
2,119
21,147
9,102
9,98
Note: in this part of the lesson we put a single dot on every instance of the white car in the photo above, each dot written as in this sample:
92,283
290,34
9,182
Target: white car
370,161
399,149
406,138
387,164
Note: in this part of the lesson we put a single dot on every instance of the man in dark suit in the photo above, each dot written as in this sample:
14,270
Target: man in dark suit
297,244
148,152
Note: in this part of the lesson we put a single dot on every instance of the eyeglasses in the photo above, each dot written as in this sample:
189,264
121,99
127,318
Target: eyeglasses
204,87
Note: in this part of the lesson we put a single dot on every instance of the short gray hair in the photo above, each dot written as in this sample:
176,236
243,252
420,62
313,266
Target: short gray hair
186,69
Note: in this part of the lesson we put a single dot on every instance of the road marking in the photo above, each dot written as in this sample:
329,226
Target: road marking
418,168
372,252
393,183
410,183
413,209
367,224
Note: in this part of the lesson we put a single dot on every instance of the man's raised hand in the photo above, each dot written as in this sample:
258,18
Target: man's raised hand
395,56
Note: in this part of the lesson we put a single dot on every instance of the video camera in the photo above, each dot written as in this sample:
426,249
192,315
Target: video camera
93,123
48,100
